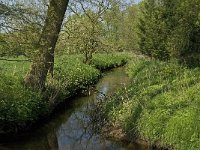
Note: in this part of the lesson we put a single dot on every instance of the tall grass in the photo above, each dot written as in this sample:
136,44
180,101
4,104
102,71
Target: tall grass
161,105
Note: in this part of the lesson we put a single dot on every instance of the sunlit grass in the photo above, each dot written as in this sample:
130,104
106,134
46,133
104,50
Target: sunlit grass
161,104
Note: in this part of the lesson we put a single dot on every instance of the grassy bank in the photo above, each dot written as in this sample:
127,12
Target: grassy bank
21,107
161,105
101,62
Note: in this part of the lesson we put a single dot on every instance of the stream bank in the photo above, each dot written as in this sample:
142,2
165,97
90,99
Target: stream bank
71,128
160,106
21,107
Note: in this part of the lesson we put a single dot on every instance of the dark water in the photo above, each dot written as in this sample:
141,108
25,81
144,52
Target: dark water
69,129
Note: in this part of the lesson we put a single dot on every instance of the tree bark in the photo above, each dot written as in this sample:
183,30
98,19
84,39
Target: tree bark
44,63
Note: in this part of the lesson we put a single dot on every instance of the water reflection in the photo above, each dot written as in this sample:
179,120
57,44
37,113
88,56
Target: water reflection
71,129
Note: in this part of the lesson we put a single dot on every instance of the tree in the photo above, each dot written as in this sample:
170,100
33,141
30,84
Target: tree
21,25
44,63
153,30
79,36
187,32
170,29
129,28
83,29
120,26
114,22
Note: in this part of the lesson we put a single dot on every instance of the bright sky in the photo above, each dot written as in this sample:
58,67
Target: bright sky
137,1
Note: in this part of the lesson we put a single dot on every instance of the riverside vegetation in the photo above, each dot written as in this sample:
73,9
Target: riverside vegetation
20,106
160,106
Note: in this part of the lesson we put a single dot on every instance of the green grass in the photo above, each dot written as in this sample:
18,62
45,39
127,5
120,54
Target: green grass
106,61
21,106
14,68
101,61
161,105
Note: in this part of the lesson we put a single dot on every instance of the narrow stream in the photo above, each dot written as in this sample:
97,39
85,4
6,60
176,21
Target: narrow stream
69,130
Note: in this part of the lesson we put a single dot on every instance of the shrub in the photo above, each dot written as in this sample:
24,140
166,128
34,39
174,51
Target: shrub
18,105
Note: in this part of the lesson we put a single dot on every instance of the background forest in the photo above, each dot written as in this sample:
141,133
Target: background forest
161,29
89,26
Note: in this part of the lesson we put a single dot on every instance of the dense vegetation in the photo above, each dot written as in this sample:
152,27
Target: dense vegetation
171,29
161,104
21,106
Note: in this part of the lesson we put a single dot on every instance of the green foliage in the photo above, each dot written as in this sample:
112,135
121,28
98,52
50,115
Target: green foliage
18,105
121,27
21,106
153,30
87,32
160,105
20,42
71,75
81,34
21,24
170,29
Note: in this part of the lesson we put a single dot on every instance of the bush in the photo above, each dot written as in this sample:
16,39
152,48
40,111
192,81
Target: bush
18,105
71,75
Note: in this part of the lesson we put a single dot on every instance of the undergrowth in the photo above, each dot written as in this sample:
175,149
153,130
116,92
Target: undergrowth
19,106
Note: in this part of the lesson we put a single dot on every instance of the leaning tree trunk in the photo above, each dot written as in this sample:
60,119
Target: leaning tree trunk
44,63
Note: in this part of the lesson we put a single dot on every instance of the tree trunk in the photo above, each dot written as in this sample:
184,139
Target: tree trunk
88,57
44,63
92,46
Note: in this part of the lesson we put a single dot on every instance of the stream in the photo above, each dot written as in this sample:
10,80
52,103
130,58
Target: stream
69,130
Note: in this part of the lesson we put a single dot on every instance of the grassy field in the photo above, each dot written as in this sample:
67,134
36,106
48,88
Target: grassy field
161,105
21,106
